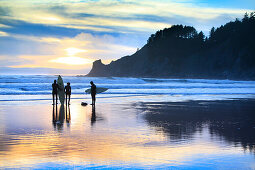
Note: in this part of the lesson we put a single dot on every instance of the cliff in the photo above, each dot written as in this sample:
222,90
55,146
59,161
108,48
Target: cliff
182,52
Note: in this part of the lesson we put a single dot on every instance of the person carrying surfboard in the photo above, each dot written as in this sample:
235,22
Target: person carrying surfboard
55,91
68,92
93,92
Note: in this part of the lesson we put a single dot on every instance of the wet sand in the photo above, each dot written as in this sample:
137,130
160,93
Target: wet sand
231,120
194,134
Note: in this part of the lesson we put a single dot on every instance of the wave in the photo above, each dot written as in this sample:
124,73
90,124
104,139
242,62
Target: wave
136,97
41,85
24,89
73,98
141,93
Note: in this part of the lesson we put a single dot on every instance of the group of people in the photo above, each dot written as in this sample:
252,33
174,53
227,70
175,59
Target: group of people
67,90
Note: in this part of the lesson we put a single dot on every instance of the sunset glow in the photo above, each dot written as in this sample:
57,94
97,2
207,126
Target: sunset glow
72,60
50,19
92,30
74,51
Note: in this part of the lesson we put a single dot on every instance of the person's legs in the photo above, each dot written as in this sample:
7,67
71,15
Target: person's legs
69,98
93,99
53,98
66,98
56,98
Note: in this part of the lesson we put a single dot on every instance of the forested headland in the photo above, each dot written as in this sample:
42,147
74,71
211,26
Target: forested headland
183,52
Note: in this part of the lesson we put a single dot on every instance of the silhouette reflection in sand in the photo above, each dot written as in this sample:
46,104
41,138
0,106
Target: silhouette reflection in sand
93,115
58,118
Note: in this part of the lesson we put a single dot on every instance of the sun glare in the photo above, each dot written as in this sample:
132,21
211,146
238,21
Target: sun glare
73,51
72,60
50,19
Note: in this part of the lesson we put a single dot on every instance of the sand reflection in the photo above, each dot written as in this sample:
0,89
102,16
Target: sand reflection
122,138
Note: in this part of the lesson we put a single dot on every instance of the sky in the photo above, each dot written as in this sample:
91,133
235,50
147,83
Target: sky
66,36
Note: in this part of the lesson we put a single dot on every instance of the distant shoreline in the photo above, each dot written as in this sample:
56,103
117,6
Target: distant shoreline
142,77
172,77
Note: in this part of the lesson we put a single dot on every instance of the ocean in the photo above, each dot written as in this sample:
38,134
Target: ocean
38,87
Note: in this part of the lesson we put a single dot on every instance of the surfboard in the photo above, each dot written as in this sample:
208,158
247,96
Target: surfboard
98,90
61,90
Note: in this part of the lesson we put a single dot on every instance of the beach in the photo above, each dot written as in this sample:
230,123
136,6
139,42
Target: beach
138,123
140,135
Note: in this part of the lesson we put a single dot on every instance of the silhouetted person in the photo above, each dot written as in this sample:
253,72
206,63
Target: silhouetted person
68,92
93,92
55,91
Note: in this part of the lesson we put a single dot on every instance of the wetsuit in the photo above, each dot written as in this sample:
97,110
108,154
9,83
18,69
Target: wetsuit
68,92
55,91
93,93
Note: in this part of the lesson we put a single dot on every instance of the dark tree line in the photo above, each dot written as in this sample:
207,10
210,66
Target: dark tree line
228,52
182,51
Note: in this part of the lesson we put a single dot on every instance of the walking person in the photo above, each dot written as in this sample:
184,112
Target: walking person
68,92
93,93
55,92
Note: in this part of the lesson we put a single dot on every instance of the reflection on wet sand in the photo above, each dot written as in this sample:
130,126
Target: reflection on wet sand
93,115
68,114
59,117
232,121
54,114
125,138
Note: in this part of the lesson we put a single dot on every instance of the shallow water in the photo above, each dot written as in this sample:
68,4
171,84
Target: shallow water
120,135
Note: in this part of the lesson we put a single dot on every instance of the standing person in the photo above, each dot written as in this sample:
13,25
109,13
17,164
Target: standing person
55,91
68,92
93,93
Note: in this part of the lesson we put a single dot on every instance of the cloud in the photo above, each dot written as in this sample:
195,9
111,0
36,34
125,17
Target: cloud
68,18
39,70
3,34
4,11
73,17
77,52
106,47
4,26
145,15
9,61
27,28
15,45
